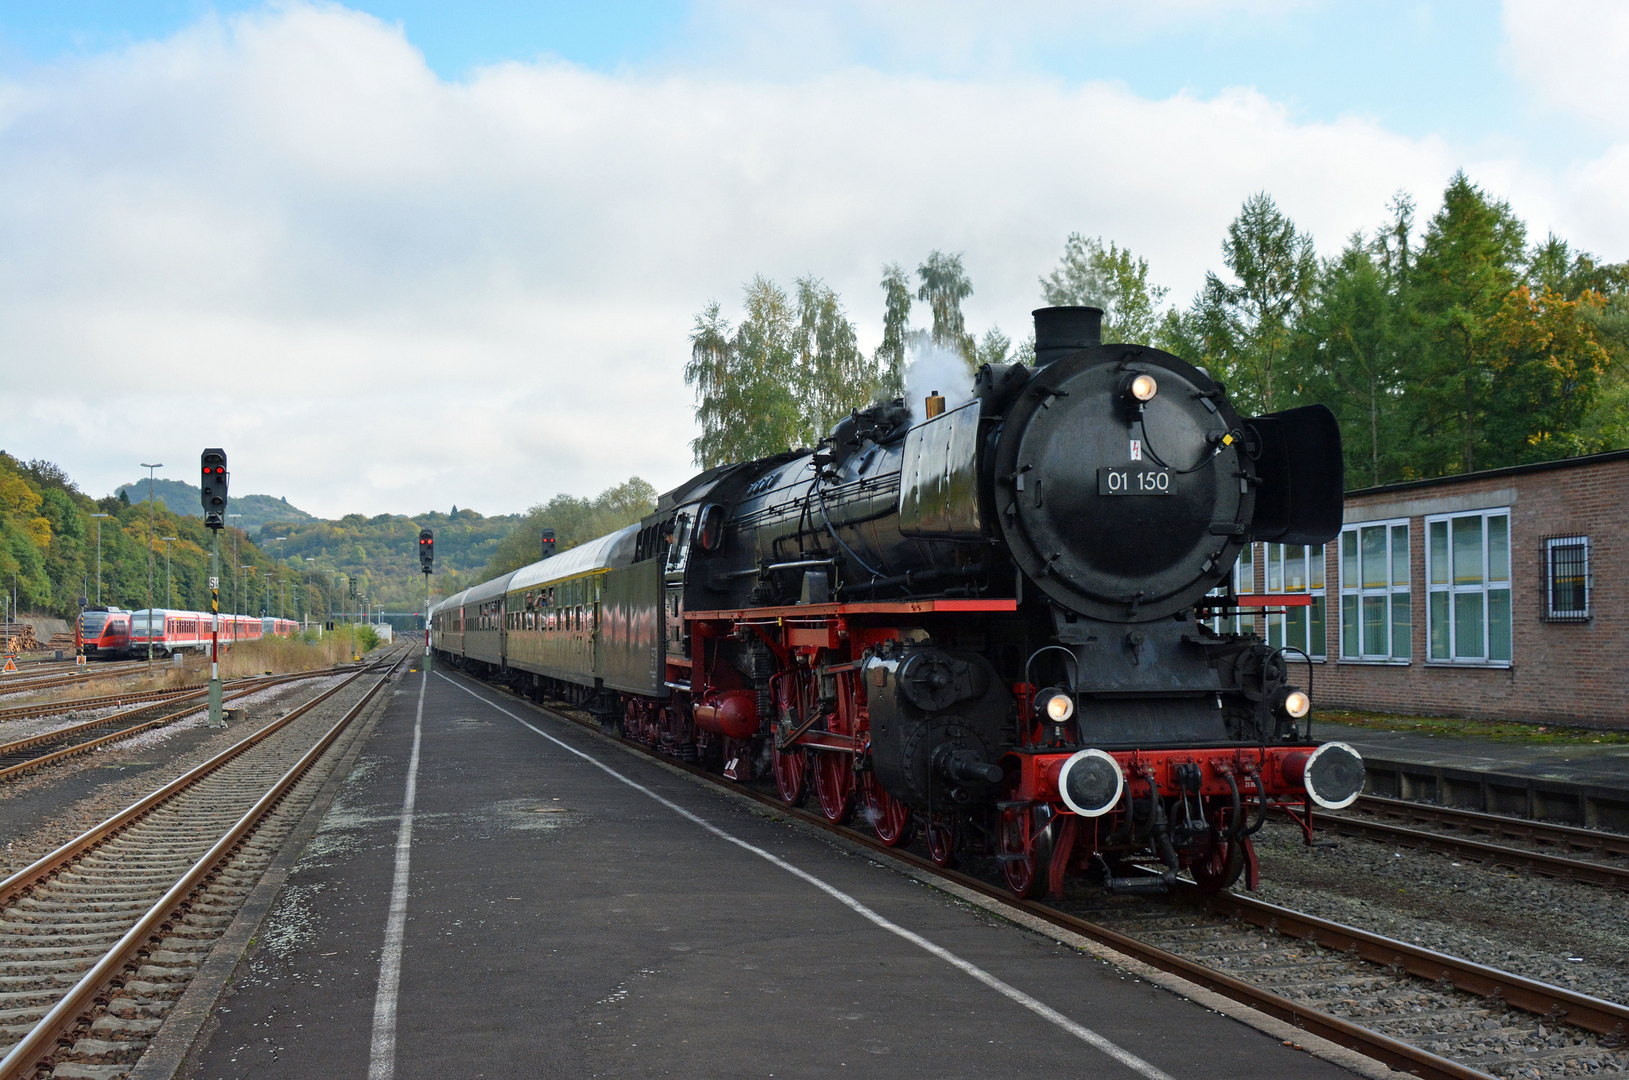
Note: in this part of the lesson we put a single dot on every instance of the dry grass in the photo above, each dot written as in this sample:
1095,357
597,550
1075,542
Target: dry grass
280,655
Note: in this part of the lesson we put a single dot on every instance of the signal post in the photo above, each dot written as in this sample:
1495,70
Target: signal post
427,556
215,479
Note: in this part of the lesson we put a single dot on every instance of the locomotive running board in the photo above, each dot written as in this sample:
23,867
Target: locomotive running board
897,607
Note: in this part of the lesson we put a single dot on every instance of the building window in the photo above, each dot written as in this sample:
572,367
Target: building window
1376,615
1468,575
1566,577
1296,568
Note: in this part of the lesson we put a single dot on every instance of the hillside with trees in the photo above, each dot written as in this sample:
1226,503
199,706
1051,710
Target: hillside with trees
252,511
299,566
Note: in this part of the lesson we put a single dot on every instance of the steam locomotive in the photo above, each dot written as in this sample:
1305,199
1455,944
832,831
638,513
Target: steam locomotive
992,627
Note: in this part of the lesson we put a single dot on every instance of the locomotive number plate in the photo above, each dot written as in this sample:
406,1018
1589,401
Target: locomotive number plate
1123,480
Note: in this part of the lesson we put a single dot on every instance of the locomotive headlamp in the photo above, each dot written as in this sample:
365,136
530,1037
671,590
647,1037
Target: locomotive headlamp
1297,704
1091,783
1059,705
1143,388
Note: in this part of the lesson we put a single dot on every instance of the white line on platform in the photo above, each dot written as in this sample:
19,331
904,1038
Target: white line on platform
382,1057
1079,1031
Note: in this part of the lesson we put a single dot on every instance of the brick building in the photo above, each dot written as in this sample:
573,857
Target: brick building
1496,594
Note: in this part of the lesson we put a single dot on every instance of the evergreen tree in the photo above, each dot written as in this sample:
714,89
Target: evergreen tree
1089,275
1470,260
993,348
1243,327
1347,352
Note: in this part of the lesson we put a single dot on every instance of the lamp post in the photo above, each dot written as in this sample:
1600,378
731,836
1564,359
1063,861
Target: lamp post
99,557
151,528
169,579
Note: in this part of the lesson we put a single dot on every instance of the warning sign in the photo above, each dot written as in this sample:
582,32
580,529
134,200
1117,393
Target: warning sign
1136,449
11,664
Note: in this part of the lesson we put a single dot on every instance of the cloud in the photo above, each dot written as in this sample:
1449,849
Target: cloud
1575,56
382,291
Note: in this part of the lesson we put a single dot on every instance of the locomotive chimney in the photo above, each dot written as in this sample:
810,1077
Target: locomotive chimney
934,405
1060,328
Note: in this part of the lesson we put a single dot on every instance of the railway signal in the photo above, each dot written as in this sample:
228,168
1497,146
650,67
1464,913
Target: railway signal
548,542
213,492
427,556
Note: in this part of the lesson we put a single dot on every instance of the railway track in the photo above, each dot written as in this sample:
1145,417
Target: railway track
1417,1010
21,683
1470,825
21,755
99,938
29,712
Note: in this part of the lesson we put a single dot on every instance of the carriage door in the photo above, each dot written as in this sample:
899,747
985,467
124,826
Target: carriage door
678,643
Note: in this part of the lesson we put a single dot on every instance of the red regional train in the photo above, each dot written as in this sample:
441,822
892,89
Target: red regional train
125,633
105,631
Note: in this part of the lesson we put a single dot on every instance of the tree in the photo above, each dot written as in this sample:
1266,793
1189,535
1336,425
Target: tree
944,286
1548,365
782,378
1470,260
993,348
1243,328
746,382
1347,353
834,374
574,520
1089,275
896,318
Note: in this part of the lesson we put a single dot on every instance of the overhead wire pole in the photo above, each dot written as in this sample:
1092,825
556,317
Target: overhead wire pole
99,518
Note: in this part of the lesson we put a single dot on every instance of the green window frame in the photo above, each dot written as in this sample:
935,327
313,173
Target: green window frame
1377,609
1468,568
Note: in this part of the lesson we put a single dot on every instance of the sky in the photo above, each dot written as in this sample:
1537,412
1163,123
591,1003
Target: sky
399,256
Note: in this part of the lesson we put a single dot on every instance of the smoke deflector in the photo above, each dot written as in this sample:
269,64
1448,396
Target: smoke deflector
1302,476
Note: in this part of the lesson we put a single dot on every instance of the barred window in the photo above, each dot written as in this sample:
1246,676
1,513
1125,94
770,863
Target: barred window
1566,575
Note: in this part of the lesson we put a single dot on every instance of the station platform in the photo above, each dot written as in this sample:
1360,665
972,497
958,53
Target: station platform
1577,783
564,908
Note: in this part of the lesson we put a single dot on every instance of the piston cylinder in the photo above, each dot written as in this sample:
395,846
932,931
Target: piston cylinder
733,714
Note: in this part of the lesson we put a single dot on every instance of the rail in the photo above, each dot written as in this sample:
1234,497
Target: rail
43,1038
46,738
